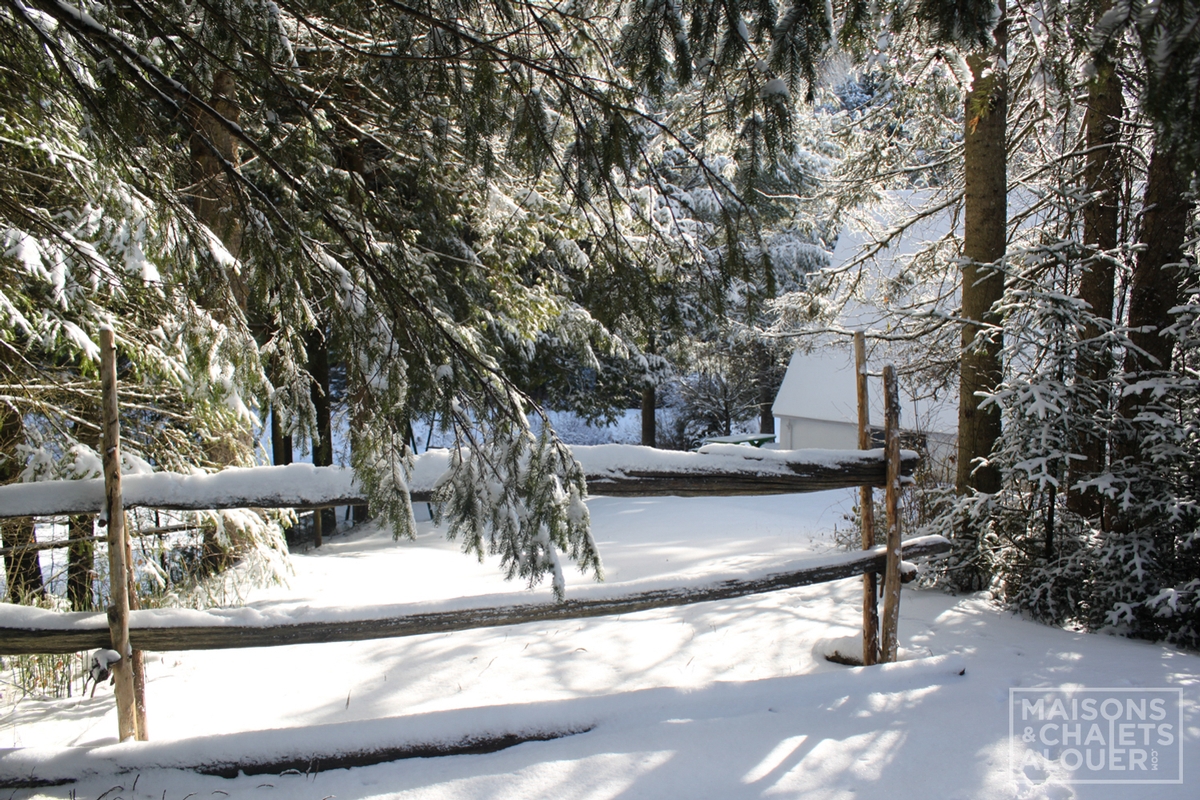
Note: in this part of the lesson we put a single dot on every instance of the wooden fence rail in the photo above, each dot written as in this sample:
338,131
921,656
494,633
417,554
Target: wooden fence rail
90,630
611,470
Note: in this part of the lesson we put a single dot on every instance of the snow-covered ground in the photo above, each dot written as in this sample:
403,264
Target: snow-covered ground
730,699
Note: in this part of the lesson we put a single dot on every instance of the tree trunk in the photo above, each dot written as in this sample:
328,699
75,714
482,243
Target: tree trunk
768,386
985,231
1102,176
649,431
281,443
22,569
322,446
984,237
81,563
81,555
1155,287
214,153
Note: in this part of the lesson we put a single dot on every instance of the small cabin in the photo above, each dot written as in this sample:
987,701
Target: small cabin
817,406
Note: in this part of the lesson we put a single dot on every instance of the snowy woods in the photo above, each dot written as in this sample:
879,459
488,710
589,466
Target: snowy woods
454,217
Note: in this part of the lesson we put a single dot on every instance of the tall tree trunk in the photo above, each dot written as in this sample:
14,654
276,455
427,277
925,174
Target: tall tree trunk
322,446
215,155
81,563
1156,286
1102,176
22,569
985,230
984,236
281,443
649,403
81,554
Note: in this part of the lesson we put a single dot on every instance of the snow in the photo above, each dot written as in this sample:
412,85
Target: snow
173,490
617,460
775,86
731,699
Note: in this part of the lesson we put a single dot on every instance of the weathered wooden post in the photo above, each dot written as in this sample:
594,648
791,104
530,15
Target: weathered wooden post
866,503
114,517
891,577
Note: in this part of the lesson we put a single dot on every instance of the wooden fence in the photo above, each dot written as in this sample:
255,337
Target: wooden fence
614,470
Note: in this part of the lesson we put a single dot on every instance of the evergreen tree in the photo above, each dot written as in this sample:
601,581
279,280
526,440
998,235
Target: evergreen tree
395,175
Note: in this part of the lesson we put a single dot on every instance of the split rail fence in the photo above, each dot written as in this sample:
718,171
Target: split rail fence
612,470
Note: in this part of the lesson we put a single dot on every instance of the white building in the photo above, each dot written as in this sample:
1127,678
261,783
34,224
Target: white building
817,404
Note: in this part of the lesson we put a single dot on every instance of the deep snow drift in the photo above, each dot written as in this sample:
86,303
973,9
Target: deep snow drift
730,699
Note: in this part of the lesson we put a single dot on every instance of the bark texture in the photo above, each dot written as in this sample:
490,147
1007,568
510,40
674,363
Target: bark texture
322,446
984,237
1102,176
1155,288
215,154
985,175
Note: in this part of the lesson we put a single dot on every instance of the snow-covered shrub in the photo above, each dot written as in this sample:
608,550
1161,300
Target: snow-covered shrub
528,521
236,550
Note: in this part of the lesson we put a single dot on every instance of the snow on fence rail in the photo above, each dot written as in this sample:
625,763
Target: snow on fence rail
34,630
613,470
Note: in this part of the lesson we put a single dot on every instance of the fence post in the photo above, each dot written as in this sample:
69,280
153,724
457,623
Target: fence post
866,504
138,659
891,579
114,517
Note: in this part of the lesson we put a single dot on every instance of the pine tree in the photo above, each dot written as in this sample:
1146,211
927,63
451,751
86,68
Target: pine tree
395,175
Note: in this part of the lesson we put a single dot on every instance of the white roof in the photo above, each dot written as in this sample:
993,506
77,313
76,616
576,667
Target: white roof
821,385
